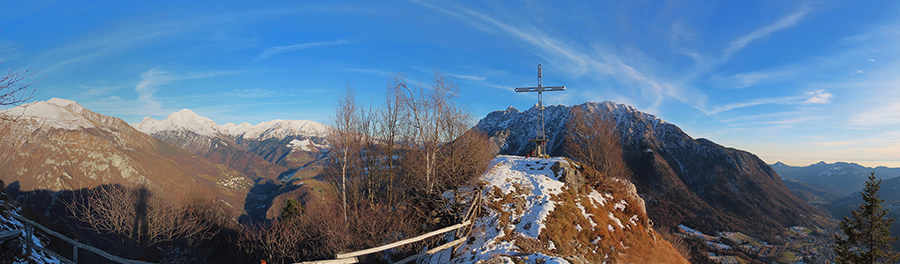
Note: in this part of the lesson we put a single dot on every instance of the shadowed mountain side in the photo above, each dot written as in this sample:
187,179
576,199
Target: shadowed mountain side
684,181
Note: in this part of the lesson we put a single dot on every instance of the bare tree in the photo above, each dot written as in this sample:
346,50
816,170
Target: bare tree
343,135
393,122
435,118
592,139
144,217
15,89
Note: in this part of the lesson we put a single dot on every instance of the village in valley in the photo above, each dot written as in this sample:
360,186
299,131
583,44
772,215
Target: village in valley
797,245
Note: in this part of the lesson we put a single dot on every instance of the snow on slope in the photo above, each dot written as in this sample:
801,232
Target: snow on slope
181,120
190,121
275,129
54,113
533,184
20,252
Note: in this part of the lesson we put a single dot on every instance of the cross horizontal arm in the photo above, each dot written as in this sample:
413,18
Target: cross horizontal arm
540,89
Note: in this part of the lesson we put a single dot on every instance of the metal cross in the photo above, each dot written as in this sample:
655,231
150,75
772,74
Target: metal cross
540,139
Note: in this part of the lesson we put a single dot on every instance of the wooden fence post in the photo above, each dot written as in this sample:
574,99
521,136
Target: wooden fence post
75,250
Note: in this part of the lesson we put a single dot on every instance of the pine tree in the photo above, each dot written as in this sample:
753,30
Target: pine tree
867,236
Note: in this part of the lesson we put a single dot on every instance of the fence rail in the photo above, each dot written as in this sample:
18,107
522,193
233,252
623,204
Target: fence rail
29,225
460,238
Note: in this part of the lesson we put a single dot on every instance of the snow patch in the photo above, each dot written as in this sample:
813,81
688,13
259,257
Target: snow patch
616,220
304,145
620,205
532,182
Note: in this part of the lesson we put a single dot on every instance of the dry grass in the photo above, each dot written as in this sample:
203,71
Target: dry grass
635,243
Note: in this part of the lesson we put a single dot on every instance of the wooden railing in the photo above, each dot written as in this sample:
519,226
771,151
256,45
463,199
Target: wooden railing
29,230
463,230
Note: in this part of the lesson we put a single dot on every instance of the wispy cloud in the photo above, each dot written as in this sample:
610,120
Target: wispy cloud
152,79
783,23
749,79
468,77
882,115
596,60
147,88
818,97
272,51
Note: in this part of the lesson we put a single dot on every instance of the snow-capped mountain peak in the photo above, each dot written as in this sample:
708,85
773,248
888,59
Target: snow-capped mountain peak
232,129
277,128
53,113
181,120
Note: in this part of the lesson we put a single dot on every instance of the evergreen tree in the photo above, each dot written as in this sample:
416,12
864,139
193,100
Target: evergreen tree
867,236
291,209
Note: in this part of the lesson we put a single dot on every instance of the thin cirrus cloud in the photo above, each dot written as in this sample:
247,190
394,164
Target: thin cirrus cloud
152,79
603,62
617,64
272,51
783,23
809,98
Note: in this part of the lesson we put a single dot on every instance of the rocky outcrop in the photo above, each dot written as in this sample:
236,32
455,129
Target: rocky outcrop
570,173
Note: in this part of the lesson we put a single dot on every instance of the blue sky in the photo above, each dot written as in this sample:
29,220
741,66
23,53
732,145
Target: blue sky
790,81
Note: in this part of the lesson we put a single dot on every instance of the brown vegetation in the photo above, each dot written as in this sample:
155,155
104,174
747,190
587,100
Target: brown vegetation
387,168
140,218
593,141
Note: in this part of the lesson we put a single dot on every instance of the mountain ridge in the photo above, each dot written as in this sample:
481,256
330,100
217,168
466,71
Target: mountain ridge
843,178
245,147
684,180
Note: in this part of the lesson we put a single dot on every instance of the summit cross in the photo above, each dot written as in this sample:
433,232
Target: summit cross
540,140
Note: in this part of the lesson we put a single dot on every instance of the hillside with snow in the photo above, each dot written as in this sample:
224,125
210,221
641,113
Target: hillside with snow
536,212
23,247
684,180
274,141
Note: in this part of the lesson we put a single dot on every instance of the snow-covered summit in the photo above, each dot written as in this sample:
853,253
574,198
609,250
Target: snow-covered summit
53,113
190,121
181,120
275,129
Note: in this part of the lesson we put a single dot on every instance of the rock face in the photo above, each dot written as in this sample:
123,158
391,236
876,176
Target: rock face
568,173
683,180
58,145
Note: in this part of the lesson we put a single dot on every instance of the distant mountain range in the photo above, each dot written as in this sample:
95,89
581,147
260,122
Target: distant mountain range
694,182
837,186
841,178
263,150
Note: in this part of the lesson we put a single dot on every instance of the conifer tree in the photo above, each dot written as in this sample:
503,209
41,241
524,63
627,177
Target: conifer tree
867,236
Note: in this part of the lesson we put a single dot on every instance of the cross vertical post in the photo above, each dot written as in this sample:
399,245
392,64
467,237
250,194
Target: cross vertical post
540,140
